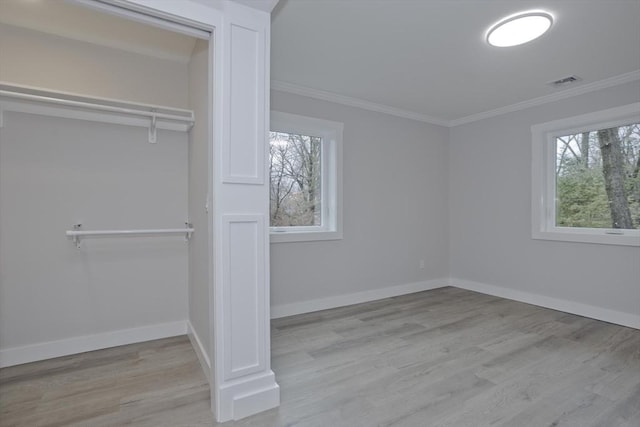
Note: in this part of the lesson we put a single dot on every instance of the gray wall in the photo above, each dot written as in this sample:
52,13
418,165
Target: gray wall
55,172
44,60
199,255
490,214
395,208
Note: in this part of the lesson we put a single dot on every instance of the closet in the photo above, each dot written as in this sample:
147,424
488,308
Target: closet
170,257
103,182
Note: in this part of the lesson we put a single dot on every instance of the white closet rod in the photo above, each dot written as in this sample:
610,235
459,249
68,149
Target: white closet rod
123,112
76,234
188,119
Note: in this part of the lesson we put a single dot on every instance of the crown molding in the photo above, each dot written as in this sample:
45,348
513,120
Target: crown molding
385,109
567,93
355,102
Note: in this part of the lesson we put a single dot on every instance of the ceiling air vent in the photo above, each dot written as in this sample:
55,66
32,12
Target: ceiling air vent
565,81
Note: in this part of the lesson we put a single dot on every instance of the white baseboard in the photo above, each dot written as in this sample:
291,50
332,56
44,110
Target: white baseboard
203,355
619,318
47,350
246,396
65,347
354,298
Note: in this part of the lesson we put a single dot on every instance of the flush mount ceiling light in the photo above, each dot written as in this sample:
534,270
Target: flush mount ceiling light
520,28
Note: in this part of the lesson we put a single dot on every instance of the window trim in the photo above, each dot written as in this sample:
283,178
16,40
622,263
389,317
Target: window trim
543,177
331,170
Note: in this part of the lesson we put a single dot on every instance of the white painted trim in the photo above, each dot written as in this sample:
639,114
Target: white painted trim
248,395
543,176
190,13
48,350
31,353
112,8
331,174
245,315
263,5
243,382
203,356
355,102
619,318
285,310
380,108
631,320
568,93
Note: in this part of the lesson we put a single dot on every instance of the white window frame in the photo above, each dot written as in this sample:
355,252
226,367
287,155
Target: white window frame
331,174
543,200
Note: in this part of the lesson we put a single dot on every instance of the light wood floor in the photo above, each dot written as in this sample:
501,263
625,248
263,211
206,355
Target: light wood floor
446,357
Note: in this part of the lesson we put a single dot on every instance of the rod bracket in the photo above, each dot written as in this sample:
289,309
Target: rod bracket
153,134
76,238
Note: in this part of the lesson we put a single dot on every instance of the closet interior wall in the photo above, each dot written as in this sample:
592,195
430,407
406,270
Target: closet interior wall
55,172
200,204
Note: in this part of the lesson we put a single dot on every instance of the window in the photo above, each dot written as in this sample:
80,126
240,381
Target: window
586,178
305,168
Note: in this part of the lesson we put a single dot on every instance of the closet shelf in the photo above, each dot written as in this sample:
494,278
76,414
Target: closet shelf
65,104
77,234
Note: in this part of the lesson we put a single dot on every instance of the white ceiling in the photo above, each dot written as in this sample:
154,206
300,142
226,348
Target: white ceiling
429,59
425,59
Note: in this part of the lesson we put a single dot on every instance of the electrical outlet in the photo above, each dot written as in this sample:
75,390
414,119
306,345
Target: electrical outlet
421,263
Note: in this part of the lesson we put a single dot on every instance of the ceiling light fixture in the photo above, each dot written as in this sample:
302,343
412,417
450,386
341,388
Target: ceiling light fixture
520,28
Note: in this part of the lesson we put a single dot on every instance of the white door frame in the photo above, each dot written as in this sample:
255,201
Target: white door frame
242,382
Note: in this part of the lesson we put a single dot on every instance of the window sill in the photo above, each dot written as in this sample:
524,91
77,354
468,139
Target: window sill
627,238
303,236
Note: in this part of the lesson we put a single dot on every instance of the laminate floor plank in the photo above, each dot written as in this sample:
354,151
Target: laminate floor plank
441,358
96,388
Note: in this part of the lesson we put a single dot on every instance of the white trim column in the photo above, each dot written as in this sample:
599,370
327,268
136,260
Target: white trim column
243,380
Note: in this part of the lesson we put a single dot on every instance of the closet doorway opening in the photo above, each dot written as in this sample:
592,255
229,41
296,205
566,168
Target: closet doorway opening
106,125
